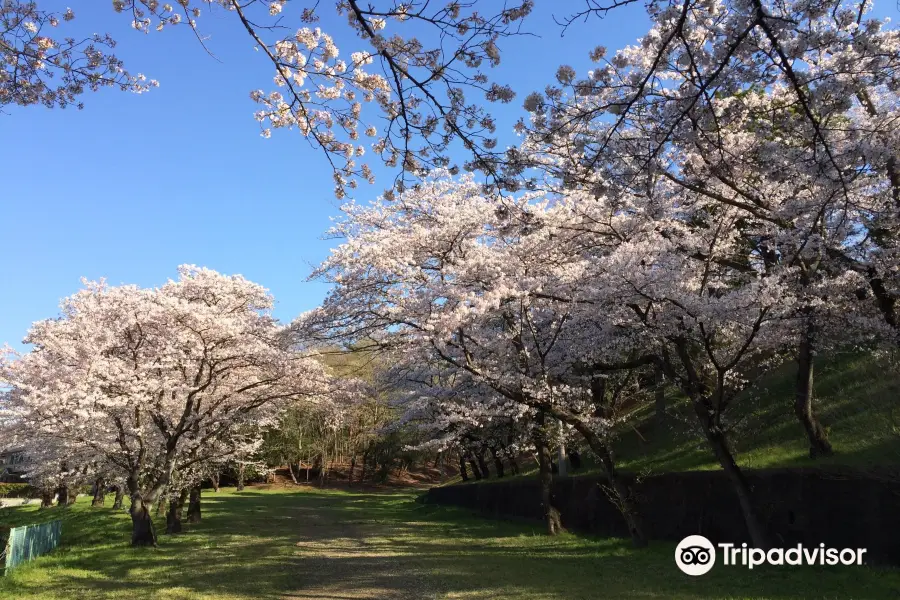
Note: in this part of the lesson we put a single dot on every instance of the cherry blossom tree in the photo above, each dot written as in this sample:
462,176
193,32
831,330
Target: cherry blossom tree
38,66
782,112
453,277
159,381
421,66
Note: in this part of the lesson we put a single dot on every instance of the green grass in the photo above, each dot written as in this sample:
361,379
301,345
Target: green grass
339,545
857,398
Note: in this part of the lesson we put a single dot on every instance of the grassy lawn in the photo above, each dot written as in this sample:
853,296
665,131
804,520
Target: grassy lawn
339,545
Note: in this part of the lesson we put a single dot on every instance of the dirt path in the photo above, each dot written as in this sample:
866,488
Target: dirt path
360,559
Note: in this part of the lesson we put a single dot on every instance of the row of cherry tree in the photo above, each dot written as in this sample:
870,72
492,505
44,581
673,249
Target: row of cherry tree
155,389
715,200
720,199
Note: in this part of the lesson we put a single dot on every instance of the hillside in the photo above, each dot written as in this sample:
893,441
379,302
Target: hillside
857,399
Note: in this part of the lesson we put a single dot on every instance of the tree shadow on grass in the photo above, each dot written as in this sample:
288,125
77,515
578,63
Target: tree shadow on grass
314,544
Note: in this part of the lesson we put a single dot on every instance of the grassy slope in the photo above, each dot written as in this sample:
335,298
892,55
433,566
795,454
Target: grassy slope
855,396
319,544
854,399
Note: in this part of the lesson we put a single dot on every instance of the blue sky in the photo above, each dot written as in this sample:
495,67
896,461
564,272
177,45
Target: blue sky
134,185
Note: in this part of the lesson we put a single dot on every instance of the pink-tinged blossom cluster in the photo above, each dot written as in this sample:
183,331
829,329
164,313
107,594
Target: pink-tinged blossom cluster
39,66
157,383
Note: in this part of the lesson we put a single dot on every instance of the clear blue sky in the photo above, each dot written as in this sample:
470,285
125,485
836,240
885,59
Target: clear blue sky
134,185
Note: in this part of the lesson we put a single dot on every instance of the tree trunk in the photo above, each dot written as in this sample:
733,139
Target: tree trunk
365,464
240,480
99,493
176,508
719,444
291,471
474,465
622,491
513,463
352,467
482,463
47,499
551,514
625,498
193,515
142,531
215,481
120,495
803,408
498,462
161,505
63,495
462,467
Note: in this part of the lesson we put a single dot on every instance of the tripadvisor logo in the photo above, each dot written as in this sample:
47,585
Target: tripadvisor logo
696,555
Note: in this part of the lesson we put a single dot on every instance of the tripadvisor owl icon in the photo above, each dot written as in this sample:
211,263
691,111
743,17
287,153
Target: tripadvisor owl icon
695,555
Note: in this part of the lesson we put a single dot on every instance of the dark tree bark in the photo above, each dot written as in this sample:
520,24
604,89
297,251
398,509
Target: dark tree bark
240,478
176,508
120,495
214,478
575,460
551,514
462,467
142,530
365,464
624,496
719,444
498,462
352,468
482,463
708,409
47,499
513,463
474,465
803,408
99,493
193,515
62,495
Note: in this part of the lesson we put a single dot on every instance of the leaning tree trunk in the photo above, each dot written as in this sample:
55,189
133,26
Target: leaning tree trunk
291,471
462,467
120,495
47,498
193,515
142,531
622,492
176,508
99,493
551,514
719,444
803,395
240,478
498,463
62,495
